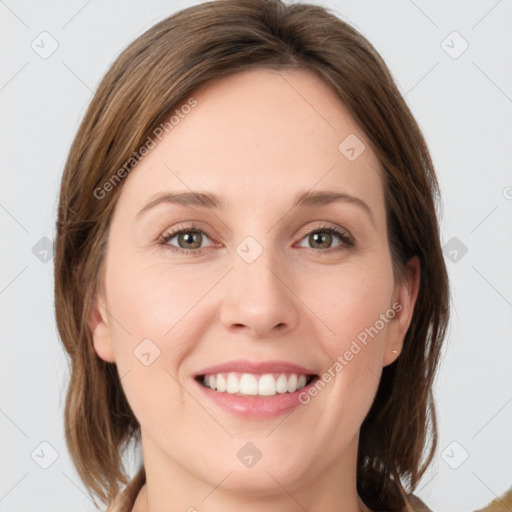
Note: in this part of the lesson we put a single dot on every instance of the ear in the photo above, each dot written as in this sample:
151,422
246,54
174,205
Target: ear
100,329
405,297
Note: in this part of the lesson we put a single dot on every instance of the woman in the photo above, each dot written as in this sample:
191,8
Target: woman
255,367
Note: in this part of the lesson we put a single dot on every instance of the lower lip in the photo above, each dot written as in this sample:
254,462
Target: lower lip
256,408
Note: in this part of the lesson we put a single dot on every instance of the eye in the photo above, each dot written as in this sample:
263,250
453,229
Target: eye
188,238
322,237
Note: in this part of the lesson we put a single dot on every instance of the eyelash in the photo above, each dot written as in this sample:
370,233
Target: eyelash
347,239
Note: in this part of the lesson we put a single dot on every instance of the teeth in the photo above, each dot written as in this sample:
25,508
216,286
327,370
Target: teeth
233,385
221,383
292,383
267,385
282,384
249,384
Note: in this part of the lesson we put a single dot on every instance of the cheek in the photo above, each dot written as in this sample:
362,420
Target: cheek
155,327
355,305
152,301
351,302
152,334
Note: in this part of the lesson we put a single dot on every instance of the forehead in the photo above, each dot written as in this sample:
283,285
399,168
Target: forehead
260,134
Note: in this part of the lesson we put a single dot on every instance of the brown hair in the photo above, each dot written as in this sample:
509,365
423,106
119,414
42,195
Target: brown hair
149,79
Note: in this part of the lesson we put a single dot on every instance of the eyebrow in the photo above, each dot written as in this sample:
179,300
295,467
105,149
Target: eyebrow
213,201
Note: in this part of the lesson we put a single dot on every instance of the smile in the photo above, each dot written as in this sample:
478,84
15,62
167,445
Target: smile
248,384
255,396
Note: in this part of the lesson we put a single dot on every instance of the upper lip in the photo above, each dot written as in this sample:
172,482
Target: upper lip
257,367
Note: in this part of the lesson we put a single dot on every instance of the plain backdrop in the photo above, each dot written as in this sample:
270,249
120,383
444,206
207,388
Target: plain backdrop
453,63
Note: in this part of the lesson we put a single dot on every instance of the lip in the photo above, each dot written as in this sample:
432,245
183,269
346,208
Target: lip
253,407
256,367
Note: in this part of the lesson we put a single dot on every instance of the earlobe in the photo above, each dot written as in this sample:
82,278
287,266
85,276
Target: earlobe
406,295
100,330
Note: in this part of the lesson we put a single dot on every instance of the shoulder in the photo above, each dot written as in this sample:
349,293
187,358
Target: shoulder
125,500
503,503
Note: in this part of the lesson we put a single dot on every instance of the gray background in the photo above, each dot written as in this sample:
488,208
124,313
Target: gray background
463,104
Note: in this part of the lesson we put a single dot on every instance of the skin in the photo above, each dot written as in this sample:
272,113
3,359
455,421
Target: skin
256,139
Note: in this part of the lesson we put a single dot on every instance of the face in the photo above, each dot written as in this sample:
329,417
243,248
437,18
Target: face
256,278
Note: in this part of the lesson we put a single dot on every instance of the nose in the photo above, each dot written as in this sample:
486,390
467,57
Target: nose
258,299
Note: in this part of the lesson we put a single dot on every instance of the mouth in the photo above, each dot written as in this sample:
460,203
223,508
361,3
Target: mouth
252,385
257,396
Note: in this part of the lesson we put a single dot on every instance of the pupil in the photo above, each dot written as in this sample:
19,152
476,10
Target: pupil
191,237
318,236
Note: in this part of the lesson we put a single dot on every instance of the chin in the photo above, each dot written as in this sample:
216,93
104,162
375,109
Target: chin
257,482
